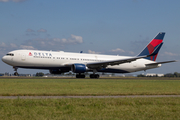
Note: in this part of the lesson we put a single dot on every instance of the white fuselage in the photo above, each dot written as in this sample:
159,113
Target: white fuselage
49,60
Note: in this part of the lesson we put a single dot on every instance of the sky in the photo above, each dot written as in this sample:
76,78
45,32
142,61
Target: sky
114,27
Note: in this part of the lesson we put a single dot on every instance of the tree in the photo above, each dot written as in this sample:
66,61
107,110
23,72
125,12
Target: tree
176,74
141,75
40,74
169,75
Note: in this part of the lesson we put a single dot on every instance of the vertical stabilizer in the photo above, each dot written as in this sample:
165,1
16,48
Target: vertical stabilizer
155,43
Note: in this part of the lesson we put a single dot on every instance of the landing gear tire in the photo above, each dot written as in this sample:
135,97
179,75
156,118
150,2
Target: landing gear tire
80,76
16,74
94,76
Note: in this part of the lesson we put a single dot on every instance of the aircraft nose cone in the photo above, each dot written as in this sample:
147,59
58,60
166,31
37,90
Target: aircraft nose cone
7,60
3,58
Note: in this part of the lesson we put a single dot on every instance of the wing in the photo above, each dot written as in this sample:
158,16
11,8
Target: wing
103,64
99,65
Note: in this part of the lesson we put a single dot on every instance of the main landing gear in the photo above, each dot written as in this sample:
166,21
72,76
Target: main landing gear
91,76
80,76
94,76
16,73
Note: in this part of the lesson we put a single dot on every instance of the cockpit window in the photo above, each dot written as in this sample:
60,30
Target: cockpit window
10,54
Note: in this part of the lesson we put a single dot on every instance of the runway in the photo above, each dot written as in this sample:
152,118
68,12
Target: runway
82,97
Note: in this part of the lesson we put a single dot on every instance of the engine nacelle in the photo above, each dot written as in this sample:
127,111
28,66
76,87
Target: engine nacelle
79,68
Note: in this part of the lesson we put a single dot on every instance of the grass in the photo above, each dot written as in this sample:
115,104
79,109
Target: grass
91,109
116,86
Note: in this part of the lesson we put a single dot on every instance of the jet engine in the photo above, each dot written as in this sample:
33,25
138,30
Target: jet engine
79,68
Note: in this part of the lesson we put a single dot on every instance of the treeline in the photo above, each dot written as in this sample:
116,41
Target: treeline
39,74
175,74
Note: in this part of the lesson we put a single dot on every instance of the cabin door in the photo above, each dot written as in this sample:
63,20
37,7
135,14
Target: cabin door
23,57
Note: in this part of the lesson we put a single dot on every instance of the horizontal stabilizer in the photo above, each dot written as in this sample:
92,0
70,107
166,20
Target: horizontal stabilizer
162,62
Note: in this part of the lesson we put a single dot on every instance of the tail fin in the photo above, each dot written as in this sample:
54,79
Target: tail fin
155,43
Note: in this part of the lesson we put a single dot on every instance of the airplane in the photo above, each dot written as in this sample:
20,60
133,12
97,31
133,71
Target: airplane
79,63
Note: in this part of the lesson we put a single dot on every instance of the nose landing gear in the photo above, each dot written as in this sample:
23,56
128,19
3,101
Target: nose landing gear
16,73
